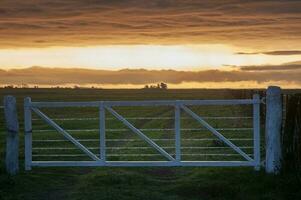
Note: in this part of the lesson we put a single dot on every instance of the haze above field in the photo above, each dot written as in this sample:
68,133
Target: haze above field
238,77
183,43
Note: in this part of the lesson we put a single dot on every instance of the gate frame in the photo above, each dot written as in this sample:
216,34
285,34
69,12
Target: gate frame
179,105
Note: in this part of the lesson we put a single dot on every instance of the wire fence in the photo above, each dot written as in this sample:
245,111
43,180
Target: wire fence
197,143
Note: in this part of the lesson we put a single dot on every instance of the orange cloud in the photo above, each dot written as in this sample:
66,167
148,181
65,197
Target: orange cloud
274,53
255,24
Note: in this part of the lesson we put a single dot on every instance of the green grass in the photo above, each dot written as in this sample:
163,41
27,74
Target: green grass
148,183
138,183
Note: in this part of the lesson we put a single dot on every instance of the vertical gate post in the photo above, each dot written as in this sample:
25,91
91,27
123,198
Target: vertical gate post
12,136
256,130
273,129
28,133
102,132
178,132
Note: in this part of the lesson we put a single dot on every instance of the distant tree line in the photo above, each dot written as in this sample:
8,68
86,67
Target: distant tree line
54,87
161,86
17,86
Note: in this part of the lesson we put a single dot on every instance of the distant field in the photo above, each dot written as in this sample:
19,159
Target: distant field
156,123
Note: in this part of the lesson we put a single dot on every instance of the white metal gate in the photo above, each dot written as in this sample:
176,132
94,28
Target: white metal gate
180,106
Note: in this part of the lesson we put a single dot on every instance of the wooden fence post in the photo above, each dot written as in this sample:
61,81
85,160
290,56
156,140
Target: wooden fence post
12,136
273,129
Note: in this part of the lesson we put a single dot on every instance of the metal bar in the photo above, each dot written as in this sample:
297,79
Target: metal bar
143,103
256,131
121,148
142,163
65,134
216,133
69,130
139,133
28,133
173,102
60,148
71,119
102,132
64,104
184,154
128,140
132,155
148,129
178,132
140,118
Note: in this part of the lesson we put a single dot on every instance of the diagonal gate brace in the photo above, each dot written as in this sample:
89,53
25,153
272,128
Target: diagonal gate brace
140,134
216,133
65,134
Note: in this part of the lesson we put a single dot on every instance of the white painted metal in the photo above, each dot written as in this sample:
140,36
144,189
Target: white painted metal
178,132
140,118
148,129
64,104
65,134
144,103
122,148
256,131
215,132
178,105
102,131
173,103
141,164
28,133
140,134
133,140
137,155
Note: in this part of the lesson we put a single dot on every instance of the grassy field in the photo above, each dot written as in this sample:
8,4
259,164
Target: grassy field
139,183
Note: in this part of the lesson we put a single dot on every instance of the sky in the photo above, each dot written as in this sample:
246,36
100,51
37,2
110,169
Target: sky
130,43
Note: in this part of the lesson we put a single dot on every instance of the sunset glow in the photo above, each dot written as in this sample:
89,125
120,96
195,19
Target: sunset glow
127,44
179,57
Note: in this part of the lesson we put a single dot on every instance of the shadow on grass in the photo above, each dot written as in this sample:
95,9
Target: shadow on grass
148,184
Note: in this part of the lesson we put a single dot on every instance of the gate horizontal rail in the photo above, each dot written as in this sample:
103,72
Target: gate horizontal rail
145,103
142,164
173,159
142,118
133,140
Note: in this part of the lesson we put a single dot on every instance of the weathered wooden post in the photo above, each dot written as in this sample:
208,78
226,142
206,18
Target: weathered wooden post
273,129
12,136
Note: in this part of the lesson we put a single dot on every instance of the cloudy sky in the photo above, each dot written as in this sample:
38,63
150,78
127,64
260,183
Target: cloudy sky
191,43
